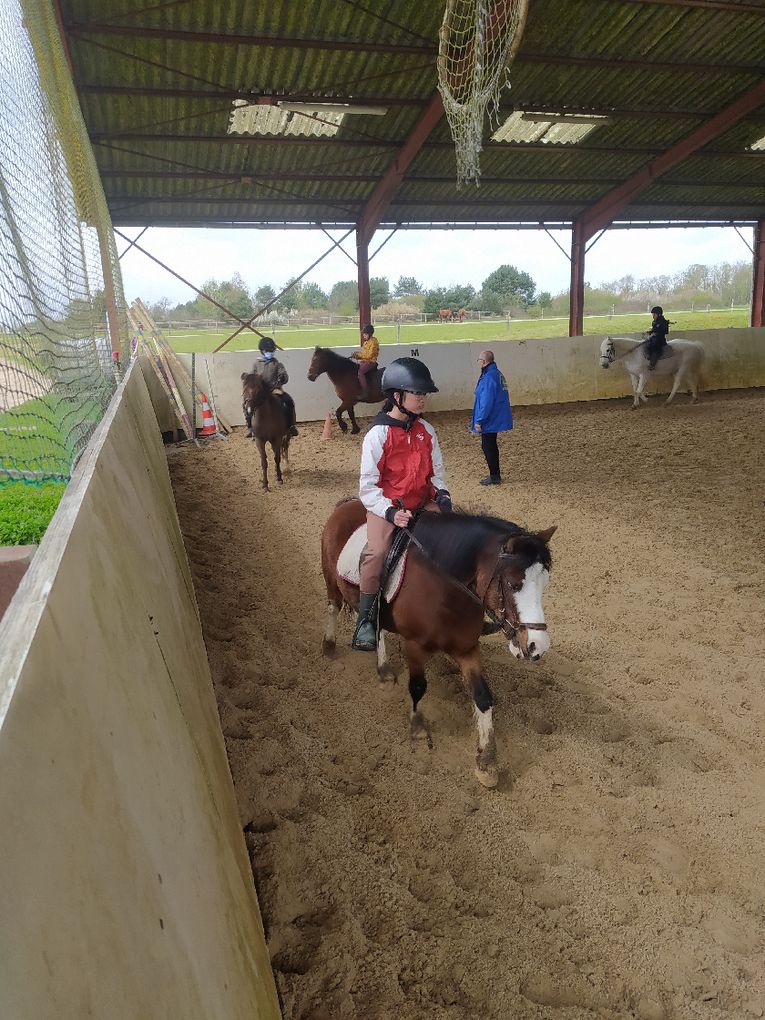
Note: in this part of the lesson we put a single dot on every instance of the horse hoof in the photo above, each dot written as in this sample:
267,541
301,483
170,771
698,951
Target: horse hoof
327,646
488,778
355,431
386,674
419,733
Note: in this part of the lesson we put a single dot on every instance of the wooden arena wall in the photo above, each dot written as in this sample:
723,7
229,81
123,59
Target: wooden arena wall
537,371
125,886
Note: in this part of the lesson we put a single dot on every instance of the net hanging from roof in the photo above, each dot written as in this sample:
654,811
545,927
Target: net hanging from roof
477,42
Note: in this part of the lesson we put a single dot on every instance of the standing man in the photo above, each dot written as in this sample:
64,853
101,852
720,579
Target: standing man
491,413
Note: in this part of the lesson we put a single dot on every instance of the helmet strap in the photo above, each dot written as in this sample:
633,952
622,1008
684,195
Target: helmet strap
411,416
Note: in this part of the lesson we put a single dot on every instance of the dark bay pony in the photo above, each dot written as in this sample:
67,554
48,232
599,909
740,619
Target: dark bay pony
267,420
344,375
460,567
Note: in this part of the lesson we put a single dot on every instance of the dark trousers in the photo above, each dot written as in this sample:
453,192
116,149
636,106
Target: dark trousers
491,452
289,407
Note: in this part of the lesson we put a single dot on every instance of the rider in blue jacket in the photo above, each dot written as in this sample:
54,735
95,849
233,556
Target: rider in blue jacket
491,413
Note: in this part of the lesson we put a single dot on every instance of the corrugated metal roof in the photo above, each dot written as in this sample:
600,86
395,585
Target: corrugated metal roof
158,86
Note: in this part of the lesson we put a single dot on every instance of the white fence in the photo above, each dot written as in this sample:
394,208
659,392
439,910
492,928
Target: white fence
537,371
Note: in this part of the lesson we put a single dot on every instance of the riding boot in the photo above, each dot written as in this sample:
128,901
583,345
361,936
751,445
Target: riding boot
365,635
491,480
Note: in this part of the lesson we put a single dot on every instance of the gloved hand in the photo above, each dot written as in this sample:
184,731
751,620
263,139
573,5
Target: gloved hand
443,501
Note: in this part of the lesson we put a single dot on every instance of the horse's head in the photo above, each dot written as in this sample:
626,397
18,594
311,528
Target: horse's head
524,570
254,390
607,352
318,364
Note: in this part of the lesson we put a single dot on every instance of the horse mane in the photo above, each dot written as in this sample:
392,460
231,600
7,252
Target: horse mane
334,356
456,541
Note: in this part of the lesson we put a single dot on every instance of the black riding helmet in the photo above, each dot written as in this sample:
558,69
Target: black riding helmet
407,374
266,345
657,310
368,330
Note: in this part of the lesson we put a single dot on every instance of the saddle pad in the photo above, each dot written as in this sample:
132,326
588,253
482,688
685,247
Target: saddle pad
666,352
349,560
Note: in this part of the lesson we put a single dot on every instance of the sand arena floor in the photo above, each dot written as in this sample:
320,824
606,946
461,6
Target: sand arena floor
618,870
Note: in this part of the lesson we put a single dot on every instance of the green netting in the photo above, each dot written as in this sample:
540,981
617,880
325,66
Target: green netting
62,310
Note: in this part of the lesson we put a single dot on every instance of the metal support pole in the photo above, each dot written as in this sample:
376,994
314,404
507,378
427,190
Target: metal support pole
758,276
576,290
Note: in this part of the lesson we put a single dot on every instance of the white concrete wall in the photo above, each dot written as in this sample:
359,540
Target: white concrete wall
538,371
125,889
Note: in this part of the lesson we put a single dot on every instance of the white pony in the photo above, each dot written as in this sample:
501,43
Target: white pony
683,359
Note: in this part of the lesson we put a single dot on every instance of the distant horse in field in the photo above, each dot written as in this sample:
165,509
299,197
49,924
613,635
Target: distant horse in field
445,315
267,420
344,375
461,315
683,359
459,568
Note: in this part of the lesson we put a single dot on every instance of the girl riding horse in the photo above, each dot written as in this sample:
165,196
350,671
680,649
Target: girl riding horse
275,374
367,358
401,470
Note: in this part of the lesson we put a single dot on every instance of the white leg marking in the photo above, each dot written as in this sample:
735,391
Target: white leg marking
382,653
332,613
485,724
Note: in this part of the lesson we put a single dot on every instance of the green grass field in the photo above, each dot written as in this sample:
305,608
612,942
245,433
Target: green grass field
203,341
43,436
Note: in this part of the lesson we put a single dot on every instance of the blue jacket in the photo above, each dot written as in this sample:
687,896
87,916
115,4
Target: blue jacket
491,408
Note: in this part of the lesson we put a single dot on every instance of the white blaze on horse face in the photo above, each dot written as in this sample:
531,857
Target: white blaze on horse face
606,352
529,604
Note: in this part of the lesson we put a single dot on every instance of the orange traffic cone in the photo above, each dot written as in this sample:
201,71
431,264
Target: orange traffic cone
208,422
327,430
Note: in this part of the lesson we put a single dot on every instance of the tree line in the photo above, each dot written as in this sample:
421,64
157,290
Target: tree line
505,291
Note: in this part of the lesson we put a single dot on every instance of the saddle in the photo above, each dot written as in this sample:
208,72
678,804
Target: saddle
349,562
666,351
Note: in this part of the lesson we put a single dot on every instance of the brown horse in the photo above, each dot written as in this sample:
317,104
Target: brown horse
344,375
267,421
460,567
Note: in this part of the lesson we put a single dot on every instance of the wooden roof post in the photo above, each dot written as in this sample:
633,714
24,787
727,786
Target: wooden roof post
576,291
362,262
758,276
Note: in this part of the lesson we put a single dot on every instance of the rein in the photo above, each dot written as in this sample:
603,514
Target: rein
511,626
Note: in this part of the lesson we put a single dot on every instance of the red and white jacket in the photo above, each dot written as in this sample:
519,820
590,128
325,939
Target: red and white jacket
399,464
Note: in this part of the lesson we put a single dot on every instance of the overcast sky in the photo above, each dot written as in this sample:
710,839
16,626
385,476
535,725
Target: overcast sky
435,258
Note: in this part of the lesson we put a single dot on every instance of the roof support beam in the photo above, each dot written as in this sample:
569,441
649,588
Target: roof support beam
758,276
381,197
601,214
715,5
261,41
76,30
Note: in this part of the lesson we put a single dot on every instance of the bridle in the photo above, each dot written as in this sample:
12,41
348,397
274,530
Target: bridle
507,619
610,356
